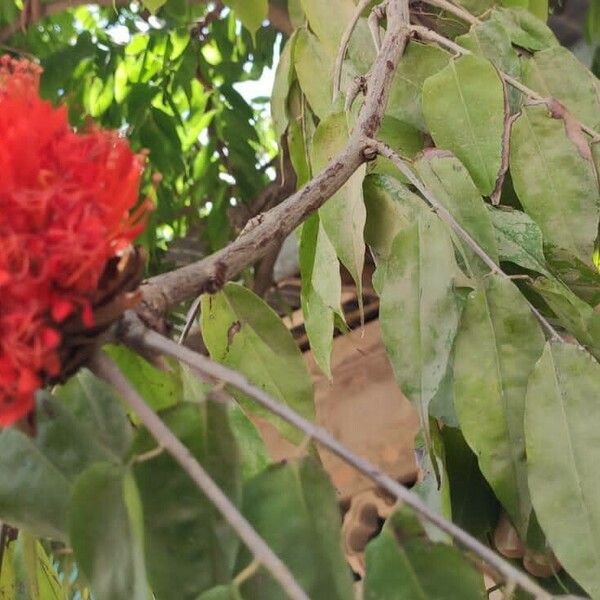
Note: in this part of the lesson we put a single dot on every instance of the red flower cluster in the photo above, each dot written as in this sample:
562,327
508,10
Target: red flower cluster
64,212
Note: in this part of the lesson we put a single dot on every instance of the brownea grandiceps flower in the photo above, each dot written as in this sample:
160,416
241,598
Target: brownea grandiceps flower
66,231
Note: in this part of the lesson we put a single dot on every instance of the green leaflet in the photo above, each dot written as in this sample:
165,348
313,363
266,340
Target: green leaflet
497,346
250,12
446,177
244,333
519,239
464,108
321,290
563,452
344,215
284,77
293,507
565,208
419,311
402,564
558,73
419,62
106,532
524,29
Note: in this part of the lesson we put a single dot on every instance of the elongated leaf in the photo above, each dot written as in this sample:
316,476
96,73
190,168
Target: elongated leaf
281,87
519,239
464,108
391,206
314,68
575,315
250,12
189,548
241,331
498,344
563,452
344,215
565,208
293,506
451,184
402,564
558,73
419,312
106,531
321,290
419,62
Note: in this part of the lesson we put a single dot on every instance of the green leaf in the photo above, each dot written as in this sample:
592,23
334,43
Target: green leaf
556,72
498,344
577,316
419,312
519,239
314,68
321,290
106,532
563,452
36,473
284,76
153,5
189,547
402,564
244,333
329,20
391,206
446,177
344,215
538,8
474,506
250,12
565,207
159,388
293,507
464,108
419,62
524,29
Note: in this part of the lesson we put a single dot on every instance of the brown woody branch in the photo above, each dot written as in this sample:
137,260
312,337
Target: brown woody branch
167,290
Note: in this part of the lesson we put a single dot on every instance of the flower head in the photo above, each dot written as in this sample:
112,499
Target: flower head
65,201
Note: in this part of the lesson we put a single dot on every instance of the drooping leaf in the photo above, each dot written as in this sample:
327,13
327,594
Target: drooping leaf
344,215
464,108
250,12
242,332
446,177
558,73
419,311
314,68
189,548
497,346
419,62
402,564
525,30
293,507
106,532
576,316
474,506
519,239
321,290
281,87
562,458
565,208
391,206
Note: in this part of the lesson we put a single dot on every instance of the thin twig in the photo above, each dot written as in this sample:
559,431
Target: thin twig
106,369
444,214
135,334
190,319
458,11
432,36
339,60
